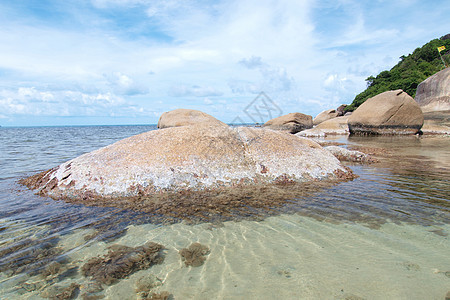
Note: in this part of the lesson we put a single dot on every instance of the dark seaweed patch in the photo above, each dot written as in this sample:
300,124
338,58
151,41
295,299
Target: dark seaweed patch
195,255
122,261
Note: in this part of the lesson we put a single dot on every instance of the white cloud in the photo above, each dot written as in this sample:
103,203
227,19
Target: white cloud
145,56
195,91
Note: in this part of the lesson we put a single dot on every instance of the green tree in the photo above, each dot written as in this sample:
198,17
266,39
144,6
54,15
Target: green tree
408,73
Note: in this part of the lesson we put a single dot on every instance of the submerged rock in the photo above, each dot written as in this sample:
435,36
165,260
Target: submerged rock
292,123
122,261
60,293
392,113
185,117
350,155
187,158
195,255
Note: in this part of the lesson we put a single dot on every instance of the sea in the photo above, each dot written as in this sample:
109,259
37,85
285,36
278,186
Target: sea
383,235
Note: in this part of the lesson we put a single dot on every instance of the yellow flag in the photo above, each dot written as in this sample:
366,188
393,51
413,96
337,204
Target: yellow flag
442,48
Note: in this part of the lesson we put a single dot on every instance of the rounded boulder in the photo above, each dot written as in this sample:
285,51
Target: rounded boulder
389,113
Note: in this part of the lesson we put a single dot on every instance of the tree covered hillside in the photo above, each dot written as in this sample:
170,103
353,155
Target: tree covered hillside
409,72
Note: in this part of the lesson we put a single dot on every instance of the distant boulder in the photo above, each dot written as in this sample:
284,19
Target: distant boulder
335,126
293,123
341,110
184,117
325,115
433,94
392,112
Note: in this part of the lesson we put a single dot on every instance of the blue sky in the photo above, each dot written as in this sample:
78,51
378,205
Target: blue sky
92,62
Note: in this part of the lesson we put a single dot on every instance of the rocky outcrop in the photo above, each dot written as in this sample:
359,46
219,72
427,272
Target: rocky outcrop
293,123
188,158
325,115
185,117
393,112
341,110
433,94
335,126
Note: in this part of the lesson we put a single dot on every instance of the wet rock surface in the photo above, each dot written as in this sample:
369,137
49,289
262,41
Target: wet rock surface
350,155
194,255
122,261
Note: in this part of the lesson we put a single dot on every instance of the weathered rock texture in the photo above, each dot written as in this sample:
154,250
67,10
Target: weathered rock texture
188,158
325,115
185,117
433,94
436,122
293,122
335,126
393,112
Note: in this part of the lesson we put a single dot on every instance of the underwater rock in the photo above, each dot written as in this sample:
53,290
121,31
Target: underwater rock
29,256
122,261
350,155
51,269
146,283
159,296
194,255
61,293
91,291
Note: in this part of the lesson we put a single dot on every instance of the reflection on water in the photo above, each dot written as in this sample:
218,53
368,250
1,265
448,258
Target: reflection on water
43,243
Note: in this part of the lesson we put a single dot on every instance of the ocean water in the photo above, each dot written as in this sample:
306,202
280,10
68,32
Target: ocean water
384,235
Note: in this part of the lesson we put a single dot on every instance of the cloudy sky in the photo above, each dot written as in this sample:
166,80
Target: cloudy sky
90,62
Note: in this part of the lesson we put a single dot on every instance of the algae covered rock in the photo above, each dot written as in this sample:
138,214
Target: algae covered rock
187,158
391,113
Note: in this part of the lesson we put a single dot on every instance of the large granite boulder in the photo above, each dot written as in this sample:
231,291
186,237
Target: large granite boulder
191,158
392,112
293,123
185,117
335,126
436,122
325,115
433,94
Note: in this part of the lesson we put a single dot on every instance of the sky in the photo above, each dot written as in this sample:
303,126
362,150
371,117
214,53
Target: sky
114,62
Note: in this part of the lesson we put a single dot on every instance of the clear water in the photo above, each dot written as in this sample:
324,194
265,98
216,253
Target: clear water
383,235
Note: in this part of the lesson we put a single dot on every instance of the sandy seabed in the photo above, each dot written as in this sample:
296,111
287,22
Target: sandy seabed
284,257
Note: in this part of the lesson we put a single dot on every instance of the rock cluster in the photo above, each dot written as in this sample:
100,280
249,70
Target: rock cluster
194,157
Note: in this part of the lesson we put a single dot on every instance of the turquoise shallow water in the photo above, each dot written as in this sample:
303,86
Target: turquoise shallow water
383,235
